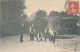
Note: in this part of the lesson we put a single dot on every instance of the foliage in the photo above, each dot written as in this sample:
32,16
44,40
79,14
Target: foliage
11,15
56,16
40,20
40,13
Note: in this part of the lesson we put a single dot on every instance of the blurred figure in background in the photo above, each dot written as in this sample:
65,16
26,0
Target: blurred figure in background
32,31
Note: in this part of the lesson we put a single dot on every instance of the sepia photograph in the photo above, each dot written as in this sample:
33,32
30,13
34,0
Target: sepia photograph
39,25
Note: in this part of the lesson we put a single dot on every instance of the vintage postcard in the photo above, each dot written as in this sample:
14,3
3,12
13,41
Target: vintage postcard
39,25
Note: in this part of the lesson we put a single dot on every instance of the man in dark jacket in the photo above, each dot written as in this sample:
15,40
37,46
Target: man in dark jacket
21,38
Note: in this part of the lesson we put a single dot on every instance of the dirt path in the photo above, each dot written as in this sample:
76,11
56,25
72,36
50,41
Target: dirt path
12,44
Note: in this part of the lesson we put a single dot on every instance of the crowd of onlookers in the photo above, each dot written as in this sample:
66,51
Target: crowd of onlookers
48,34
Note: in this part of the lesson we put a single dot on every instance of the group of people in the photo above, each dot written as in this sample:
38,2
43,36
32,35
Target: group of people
48,34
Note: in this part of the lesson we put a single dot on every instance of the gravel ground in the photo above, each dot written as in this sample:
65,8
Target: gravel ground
12,44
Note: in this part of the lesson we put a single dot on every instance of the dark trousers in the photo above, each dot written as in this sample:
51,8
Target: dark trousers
52,38
45,37
31,36
48,36
21,38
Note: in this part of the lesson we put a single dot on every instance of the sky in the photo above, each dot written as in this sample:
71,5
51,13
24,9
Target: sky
47,5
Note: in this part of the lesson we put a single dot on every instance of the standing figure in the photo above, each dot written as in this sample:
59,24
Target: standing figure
47,33
32,30
50,34
21,38
54,37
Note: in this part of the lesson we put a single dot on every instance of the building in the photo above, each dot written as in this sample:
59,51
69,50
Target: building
68,25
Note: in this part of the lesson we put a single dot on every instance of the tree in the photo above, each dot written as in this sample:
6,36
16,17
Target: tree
54,18
40,14
53,13
40,21
11,12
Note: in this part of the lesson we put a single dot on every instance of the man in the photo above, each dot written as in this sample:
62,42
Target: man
21,38
50,34
54,37
46,32
32,30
